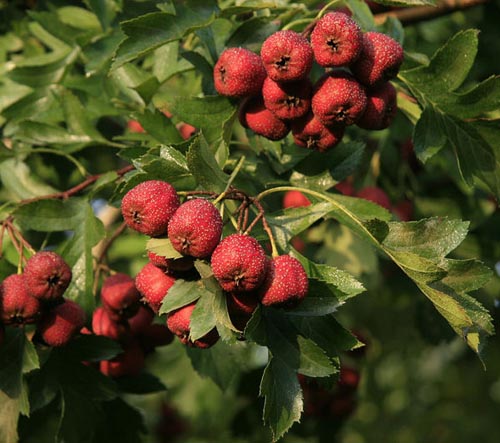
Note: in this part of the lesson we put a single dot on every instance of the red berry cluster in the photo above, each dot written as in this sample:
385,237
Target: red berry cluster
123,318
278,96
36,296
238,261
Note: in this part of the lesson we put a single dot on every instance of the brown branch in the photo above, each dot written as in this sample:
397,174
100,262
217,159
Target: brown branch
417,14
75,189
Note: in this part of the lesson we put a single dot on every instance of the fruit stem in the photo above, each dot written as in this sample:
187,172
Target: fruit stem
325,8
297,22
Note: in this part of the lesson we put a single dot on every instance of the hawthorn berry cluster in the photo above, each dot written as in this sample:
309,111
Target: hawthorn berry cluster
278,96
124,319
238,262
36,297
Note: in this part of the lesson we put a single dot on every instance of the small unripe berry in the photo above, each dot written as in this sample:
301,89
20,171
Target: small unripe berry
338,99
238,73
380,109
287,101
239,263
336,40
120,295
186,130
286,283
287,56
47,275
375,195
178,322
135,126
255,116
295,199
61,323
309,132
148,207
17,306
153,284
195,228
380,59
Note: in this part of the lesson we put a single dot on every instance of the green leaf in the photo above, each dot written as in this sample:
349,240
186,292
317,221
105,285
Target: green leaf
283,397
144,383
9,414
203,317
203,166
182,293
150,31
93,348
11,362
18,179
221,363
159,126
162,247
210,114
406,2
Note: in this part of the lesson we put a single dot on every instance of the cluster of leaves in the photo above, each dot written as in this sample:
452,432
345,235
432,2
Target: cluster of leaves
72,78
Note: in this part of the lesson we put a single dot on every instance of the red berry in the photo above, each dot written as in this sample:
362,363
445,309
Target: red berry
286,283
155,335
17,306
104,324
135,126
130,362
239,263
119,294
287,101
287,56
336,40
61,323
375,195
404,210
238,73
240,307
309,132
338,99
148,207
186,130
295,199
47,275
170,265
195,228
178,322
153,284
380,59
346,188
255,116
380,109
141,321
349,379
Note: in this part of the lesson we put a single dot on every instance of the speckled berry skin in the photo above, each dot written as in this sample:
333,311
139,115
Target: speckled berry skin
195,228
336,40
148,207
103,324
153,284
379,61
120,295
238,73
380,109
309,132
170,265
178,322
375,195
286,283
47,275
60,324
338,99
17,306
287,101
295,199
287,56
239,263
130,362
255,116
